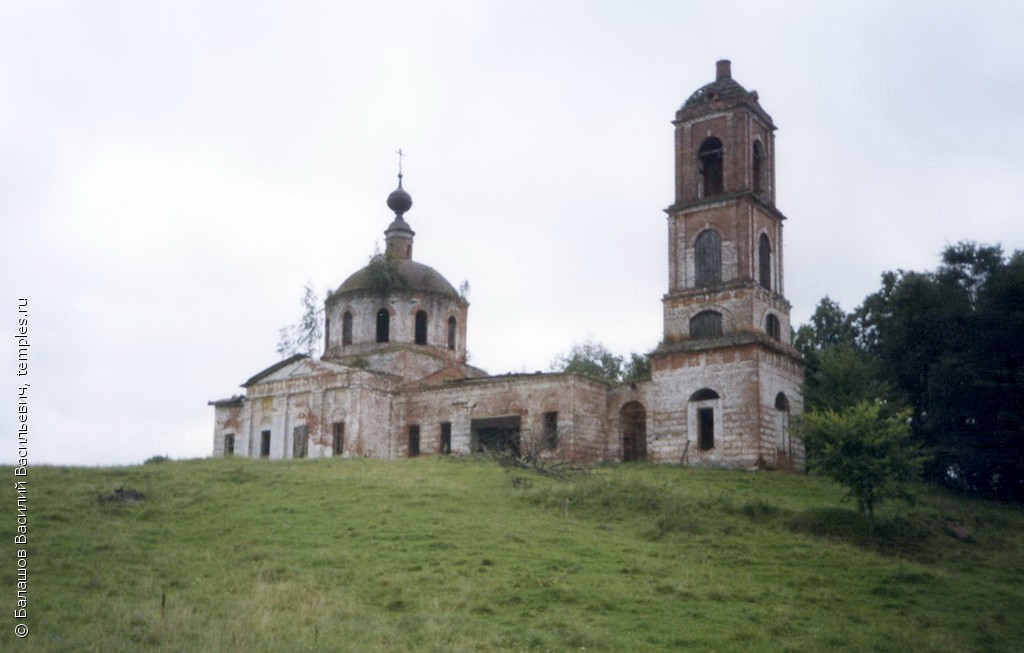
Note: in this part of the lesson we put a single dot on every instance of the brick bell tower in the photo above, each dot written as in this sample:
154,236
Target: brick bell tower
727,337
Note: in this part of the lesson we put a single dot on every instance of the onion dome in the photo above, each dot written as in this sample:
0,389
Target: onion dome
399,201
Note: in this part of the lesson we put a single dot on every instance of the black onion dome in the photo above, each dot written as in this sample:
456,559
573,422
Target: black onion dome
399,201
414,277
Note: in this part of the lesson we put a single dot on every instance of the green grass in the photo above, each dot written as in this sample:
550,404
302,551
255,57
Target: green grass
461,555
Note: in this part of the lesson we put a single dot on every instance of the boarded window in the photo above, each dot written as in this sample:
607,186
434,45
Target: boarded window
383,325
711,166
771,325
338,438
414,440
346,329
706,324
265,444
421,327
300,441
707,252
706,428
550,430
229,444
757,169
452,330
446,438
764,261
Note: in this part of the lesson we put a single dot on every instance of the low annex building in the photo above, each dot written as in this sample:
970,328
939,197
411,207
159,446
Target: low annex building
393,380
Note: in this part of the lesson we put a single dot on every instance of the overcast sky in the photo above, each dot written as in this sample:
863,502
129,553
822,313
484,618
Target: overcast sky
172,175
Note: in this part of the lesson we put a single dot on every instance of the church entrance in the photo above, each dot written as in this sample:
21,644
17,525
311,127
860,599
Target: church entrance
633,422
496,435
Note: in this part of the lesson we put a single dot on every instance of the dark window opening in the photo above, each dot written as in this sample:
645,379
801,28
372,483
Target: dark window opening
757,171
711,166
633,424
346,329
265,444
229,444
327,329
551,430
706,324
414,440
771,325
706,428
421,327
338,439
383,325
300,441
452,328
781,402
496,435
764,261
446,438
707,251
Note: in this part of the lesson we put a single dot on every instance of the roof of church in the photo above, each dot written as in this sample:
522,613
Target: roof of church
723,88
411,276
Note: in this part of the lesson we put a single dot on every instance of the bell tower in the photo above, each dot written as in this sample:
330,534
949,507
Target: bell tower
725,315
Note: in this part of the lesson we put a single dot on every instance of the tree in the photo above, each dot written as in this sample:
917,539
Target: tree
304,336
840,373
950,340
637,369
873,455
590,359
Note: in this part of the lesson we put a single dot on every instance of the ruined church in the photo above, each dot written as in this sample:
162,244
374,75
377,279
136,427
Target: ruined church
393,380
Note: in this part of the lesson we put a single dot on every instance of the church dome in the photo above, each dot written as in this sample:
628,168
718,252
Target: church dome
411,276
724,87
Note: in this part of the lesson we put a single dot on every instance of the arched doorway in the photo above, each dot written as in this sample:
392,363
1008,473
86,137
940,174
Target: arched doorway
633,422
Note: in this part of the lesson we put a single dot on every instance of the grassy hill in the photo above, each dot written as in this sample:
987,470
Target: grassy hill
461,555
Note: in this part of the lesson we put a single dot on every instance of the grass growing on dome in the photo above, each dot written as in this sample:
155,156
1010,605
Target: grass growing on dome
444,554
383,275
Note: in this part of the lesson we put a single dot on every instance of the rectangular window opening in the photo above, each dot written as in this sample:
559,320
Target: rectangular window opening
706,428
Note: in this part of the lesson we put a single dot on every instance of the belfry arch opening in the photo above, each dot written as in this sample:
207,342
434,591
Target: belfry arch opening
757,168
706,324
711,169
707,253
764,261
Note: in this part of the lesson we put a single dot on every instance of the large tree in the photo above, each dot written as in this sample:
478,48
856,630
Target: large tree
951,341
840,373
